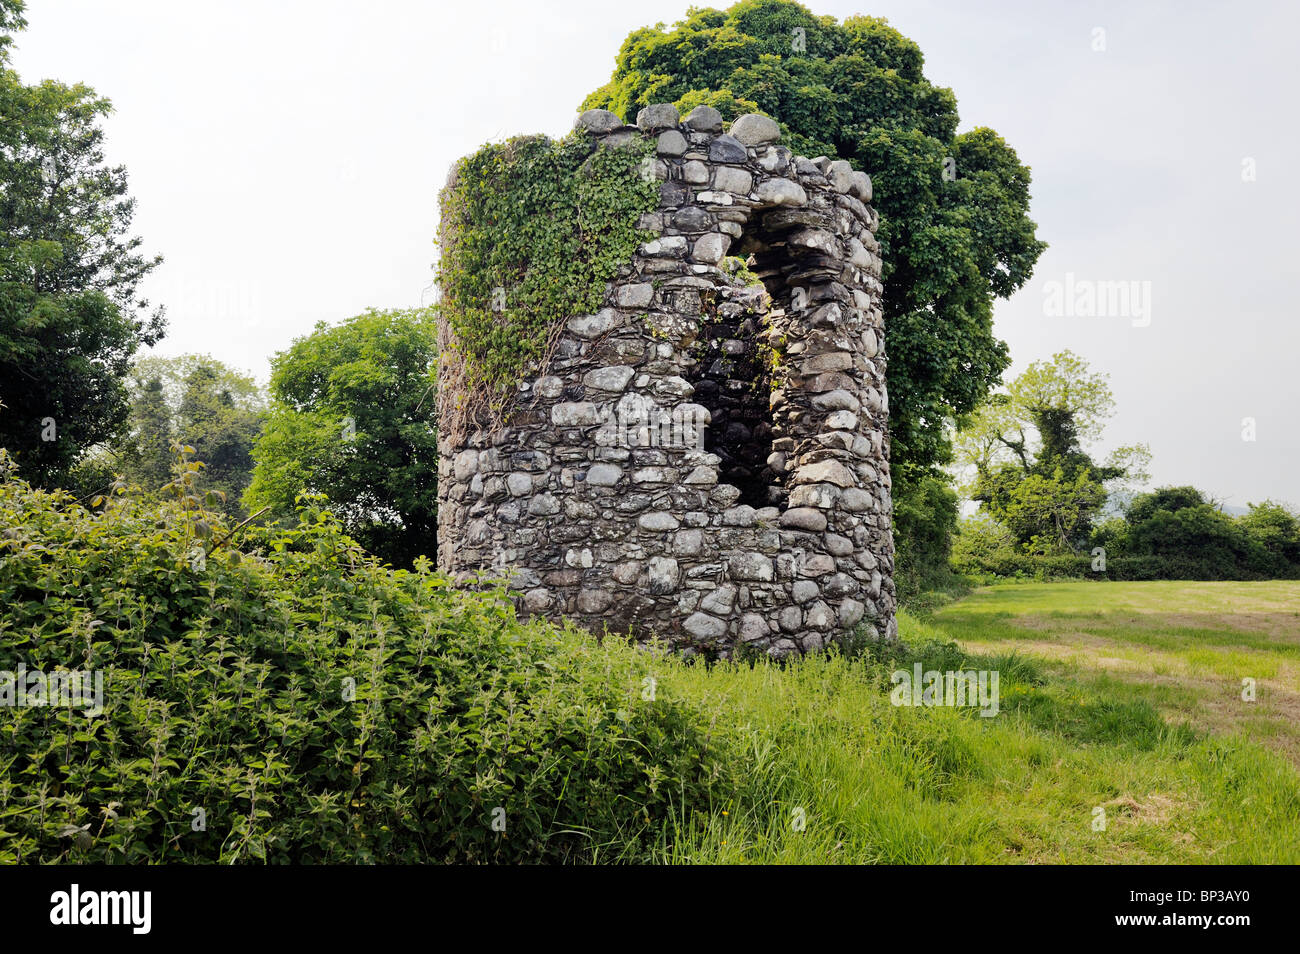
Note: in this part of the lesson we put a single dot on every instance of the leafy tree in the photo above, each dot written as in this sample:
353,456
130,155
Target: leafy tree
981,540
856,90
1198,532
1025,446
1181,525
1276,527
923,524
1170,499
144,457
1050,513
192,400
352,419
70,313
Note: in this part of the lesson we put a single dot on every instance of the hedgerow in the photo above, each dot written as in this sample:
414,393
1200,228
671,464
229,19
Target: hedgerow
277,695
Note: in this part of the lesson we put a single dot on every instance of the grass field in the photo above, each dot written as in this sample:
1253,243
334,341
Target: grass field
1184,647
1119,701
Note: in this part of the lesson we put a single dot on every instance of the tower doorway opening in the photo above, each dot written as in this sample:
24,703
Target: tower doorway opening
740,378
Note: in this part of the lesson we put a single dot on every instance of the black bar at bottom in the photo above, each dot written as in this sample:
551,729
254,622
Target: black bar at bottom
339,904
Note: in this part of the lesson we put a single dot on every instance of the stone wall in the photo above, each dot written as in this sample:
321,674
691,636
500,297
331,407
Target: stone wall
702,460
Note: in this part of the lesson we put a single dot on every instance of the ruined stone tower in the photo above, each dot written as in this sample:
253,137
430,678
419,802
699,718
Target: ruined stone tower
704,460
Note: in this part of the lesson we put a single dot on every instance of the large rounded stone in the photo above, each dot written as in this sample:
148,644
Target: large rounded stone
594,601
739,516
720,601
695,172
837,400
753,626
688,542
816,495
550,386
537,601
861,187
818,616
658,521
543,505
598,122
657,117
671,143
612,378
574,414
850,612
825,472
841,175
593,326
819,564
855,500
702,476
604,475
870,343
727,149
692,219
838,545
804,590
728,179
841,584
753,129
812,642
704,119
465,464
804,518
635,296
627,572
704,626
750,566
710,248
662,575
842,421
781,192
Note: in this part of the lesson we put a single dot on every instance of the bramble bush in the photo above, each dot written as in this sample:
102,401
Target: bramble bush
230,730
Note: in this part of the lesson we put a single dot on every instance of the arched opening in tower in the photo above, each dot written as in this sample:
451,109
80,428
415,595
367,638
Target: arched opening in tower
740,373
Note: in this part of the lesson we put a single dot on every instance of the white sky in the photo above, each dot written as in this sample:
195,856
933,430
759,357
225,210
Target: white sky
286,156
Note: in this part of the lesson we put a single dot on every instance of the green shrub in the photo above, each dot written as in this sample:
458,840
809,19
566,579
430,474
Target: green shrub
925,521
1179,525
228,700
1194,541
1276,528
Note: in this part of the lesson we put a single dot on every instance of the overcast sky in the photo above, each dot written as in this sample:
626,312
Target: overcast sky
286,156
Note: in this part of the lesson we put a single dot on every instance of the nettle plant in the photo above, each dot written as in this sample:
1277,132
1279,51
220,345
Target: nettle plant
532,231
287,698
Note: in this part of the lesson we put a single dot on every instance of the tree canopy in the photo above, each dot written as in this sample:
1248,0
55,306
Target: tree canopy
352,419
955,233
1027,449
192,400
70,312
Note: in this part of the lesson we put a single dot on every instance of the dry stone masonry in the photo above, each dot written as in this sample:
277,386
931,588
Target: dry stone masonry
704,460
